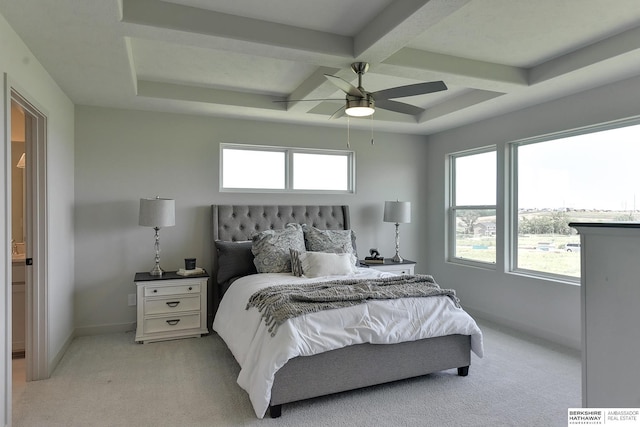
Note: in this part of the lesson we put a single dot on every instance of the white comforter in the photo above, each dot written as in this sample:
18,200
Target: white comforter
378,322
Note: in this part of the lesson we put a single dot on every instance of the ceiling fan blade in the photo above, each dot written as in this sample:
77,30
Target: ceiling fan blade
338,113
409,90
345,86
315,100
399,107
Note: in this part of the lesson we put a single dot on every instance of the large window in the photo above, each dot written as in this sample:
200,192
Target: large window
472,214
589,177
264,169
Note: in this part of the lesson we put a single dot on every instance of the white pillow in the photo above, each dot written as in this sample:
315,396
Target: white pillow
317,264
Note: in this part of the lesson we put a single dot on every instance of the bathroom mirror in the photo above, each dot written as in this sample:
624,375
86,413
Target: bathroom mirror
18,164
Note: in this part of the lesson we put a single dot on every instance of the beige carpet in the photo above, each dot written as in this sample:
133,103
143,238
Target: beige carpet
108,380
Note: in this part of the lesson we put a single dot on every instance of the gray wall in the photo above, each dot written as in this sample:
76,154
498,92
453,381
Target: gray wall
545,308
123,155
25,74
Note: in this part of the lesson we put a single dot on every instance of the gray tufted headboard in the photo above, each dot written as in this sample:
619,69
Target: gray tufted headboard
238,223
241,222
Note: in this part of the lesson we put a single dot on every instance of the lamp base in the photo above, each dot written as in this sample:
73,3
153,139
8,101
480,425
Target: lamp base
157,271
397,257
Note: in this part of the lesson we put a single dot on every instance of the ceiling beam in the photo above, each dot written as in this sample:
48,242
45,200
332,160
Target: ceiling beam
458,103
398,24
208,95
623,44
185,24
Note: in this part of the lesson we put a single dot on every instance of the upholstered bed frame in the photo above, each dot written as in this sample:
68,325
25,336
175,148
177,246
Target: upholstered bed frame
343,369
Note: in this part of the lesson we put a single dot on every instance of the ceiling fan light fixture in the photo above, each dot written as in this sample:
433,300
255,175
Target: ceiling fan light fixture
359,107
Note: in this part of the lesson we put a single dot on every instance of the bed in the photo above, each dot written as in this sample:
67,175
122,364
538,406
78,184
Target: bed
329,360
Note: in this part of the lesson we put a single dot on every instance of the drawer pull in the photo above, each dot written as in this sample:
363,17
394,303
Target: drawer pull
155,291
190,288
173,304
173,322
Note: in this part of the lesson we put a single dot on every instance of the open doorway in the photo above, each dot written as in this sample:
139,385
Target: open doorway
18,246
28,242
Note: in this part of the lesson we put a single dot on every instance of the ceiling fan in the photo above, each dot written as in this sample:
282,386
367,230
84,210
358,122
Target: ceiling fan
361,103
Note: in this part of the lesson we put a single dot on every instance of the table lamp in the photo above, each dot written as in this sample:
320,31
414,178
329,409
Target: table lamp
157,213
397,212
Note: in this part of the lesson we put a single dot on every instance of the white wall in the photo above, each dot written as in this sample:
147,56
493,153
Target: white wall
122,156
27,76
542,307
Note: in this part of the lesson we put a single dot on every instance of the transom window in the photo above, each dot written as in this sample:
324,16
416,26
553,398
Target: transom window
268,169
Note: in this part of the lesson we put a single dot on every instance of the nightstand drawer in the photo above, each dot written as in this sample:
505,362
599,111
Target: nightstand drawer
171,290
171,323
400,269
173,305
404,267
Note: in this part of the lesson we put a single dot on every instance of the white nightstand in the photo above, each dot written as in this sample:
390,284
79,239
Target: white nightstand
404,267
171,306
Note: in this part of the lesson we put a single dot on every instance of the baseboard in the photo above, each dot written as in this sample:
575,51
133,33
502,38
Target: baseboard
113,328
54,361
527,330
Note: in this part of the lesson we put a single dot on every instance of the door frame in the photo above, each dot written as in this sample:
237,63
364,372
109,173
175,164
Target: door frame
36,330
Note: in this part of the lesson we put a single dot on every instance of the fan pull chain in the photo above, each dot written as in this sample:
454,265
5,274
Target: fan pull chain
371,129
348,132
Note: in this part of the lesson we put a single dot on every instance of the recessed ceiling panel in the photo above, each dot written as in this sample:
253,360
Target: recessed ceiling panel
172,63
548,48
525,33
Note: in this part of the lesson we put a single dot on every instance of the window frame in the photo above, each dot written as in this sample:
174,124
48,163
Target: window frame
289,168
452,209
512,194
514,210
507,201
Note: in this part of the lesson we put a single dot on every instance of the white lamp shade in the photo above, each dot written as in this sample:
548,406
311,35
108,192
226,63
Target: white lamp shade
157,212
398,212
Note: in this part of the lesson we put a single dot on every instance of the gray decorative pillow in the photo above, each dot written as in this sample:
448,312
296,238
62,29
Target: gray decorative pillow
335,241
234,260
271,248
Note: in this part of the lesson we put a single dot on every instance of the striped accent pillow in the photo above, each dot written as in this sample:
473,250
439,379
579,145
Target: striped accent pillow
296,265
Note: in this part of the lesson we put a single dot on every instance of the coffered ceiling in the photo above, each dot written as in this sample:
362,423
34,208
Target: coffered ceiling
235,58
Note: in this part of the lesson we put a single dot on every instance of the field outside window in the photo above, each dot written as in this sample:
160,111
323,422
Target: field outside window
473,209
591,177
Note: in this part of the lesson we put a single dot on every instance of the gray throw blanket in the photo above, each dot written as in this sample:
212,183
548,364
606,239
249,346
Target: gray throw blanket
279,303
